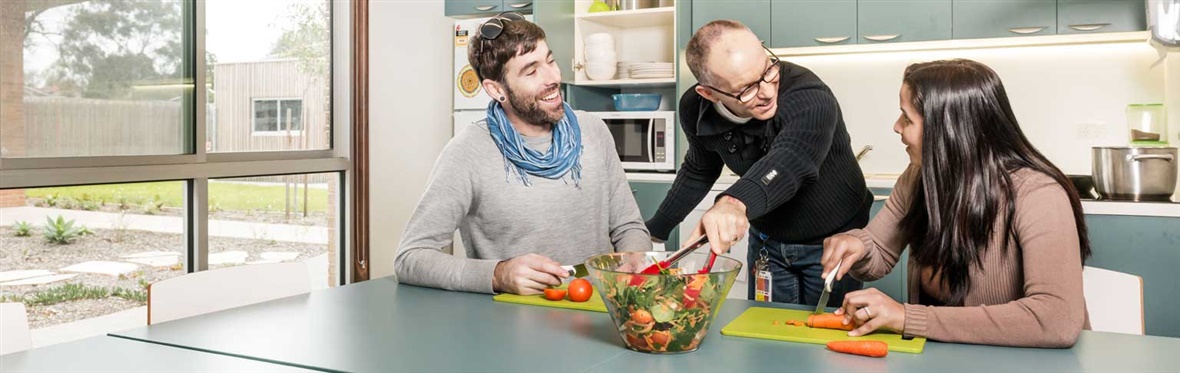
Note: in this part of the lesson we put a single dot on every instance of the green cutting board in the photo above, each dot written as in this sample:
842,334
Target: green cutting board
594,304
758,322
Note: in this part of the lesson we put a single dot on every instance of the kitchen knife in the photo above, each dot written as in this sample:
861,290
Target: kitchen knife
576,271
823,296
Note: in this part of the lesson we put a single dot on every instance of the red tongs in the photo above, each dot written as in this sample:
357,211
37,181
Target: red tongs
655,269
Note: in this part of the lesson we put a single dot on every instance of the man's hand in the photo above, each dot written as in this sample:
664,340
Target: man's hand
527,275
725,223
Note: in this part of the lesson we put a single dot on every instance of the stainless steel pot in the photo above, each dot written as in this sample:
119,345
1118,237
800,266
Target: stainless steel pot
636,4
1135,173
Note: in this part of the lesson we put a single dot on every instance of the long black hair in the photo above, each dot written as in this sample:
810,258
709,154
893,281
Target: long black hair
971,145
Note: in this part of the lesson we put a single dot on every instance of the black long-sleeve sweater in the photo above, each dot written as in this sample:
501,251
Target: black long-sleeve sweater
799,178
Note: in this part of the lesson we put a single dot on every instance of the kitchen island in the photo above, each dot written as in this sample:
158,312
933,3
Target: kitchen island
380,325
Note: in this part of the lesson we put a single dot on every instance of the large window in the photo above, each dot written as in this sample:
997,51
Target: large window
146,139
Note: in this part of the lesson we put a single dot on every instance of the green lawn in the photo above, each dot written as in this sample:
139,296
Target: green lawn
222,195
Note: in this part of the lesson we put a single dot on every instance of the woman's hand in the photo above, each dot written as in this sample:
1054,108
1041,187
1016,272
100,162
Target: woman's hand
871,310
844,247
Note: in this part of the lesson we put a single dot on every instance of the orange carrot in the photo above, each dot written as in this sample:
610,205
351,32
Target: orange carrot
863,348
828,321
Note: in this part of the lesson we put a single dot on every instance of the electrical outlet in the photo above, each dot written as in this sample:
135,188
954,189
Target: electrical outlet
1091,130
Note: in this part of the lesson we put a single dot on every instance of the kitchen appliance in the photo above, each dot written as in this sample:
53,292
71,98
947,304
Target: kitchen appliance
644,140
1135,173
1147,123
470,100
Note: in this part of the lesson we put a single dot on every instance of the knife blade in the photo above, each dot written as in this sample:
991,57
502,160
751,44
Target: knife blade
823,296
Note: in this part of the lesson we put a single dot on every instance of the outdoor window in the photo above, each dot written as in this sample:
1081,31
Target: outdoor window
74,253
278,116
128,152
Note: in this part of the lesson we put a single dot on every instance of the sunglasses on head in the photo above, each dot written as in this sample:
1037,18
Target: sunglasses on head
491,29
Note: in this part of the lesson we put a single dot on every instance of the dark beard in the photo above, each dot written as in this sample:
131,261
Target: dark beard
527,109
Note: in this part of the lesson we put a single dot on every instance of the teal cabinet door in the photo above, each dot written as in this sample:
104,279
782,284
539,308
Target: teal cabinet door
557,19
1089,16
1002,18
755,14
886,21
649,195
473,8
810,23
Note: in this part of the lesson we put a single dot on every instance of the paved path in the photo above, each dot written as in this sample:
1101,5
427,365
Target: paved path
167,224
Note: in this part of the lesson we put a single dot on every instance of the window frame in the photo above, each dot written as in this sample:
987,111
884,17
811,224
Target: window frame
197,166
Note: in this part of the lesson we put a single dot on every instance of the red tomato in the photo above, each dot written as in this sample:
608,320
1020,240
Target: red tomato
554,294
580,290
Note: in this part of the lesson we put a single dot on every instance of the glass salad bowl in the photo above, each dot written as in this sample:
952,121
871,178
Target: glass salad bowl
668,312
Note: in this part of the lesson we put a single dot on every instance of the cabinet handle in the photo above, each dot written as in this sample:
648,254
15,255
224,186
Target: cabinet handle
520,5
578,66
832,40
633,191
1089,26
882,37
1027,30
485,8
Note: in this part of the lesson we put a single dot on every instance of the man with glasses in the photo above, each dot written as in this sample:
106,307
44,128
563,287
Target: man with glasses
779,127
533,186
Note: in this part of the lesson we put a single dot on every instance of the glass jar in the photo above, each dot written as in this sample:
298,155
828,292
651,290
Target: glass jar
1147,124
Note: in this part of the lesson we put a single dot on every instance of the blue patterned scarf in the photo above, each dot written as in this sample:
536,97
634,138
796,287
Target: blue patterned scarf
563,157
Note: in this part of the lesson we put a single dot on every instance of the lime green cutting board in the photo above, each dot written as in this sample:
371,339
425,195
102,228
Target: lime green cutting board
758,322
594,304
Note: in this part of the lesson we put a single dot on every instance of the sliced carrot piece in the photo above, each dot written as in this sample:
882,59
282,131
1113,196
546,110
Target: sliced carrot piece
828,321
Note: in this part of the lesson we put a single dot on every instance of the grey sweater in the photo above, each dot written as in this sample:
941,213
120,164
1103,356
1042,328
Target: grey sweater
500,218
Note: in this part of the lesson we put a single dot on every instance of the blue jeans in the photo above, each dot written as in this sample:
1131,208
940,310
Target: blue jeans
795,272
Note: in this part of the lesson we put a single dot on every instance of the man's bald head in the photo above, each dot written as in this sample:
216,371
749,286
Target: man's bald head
714,37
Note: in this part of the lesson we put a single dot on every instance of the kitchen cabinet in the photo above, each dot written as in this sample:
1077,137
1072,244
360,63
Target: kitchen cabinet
755,14
1090,16
1148,247
1003,18
649,195
485,8
811,23
890,21
555,17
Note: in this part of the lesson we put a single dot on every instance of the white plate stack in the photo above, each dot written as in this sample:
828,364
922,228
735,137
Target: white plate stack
625,69
601,60
652,70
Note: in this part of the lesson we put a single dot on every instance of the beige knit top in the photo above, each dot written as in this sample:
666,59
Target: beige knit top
1029,297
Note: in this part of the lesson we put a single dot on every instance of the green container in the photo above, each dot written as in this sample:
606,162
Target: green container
1147,124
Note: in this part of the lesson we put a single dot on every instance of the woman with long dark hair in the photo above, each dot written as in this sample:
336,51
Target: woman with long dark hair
996,232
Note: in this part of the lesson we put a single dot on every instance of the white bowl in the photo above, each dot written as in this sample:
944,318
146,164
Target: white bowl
598,71
603,57
600,38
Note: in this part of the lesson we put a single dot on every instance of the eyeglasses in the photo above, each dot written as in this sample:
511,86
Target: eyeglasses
750,91
491,29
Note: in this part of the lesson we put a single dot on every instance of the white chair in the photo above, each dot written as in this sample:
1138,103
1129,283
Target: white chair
1114,300
211,291
14,328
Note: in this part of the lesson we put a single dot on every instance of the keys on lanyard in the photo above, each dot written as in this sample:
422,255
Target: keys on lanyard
762,277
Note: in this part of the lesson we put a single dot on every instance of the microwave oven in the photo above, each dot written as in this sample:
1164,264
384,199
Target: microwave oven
645,140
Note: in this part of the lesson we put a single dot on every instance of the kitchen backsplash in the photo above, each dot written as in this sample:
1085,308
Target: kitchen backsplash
1067,98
